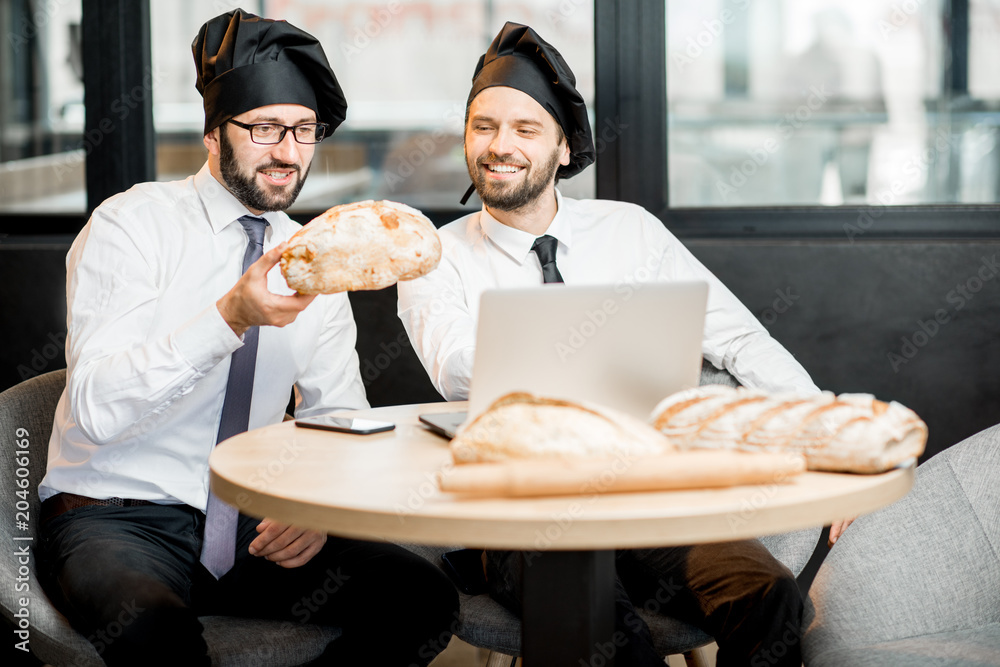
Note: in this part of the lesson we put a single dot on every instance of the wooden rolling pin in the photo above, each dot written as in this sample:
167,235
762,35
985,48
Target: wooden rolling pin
678,470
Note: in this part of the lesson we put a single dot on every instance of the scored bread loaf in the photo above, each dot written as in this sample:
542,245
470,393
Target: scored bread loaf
846,433
362,246
520,425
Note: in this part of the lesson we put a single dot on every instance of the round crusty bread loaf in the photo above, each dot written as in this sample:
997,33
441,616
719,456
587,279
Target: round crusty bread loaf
520,425
846,433
362,246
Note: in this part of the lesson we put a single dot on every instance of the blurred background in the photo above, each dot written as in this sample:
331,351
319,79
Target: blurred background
770,102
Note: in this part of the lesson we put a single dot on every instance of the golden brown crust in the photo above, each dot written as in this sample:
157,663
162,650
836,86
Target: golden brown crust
361,246
850,432
522,425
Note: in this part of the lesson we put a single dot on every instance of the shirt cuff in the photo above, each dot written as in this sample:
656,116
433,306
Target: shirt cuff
206,340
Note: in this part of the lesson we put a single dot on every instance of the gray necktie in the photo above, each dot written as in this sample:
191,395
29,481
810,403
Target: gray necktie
218,549
545,248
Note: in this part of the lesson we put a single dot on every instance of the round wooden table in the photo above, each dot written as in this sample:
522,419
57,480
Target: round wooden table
384,487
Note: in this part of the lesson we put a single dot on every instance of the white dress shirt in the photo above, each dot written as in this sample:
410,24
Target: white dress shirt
600,243
148,353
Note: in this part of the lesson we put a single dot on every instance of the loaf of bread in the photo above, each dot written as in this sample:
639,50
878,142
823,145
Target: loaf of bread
520,426
846,433
362,246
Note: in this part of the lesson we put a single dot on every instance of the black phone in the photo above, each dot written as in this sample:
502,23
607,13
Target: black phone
345,424
465,567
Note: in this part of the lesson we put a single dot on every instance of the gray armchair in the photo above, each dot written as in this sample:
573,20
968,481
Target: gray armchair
917,583
232,642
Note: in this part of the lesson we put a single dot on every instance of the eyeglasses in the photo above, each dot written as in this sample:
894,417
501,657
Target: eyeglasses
274,133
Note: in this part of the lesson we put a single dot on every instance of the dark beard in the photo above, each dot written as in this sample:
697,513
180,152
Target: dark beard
507,197
244,187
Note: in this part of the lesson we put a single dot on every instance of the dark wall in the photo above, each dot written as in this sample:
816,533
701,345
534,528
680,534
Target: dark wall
914,322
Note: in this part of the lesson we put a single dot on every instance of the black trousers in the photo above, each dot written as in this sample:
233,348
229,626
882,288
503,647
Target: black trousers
735,591
129,579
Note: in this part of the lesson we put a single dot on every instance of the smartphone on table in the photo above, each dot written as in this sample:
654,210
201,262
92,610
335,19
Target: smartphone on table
345,424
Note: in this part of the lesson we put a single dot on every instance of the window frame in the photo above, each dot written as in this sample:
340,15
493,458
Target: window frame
631,93
630,132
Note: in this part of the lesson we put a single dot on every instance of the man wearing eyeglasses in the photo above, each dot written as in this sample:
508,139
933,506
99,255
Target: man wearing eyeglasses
182,333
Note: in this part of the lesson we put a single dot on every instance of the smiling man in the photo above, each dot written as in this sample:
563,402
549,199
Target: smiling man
526,127
182,333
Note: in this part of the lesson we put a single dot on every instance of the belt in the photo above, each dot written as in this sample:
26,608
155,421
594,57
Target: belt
64,502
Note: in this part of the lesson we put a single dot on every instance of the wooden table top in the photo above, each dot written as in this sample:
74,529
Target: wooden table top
383,486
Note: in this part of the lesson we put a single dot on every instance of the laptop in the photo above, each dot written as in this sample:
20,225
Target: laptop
624,346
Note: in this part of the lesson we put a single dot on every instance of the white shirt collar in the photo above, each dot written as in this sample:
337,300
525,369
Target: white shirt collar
221,206
516,243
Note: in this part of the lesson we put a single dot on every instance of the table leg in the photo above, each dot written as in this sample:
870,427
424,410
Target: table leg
568,609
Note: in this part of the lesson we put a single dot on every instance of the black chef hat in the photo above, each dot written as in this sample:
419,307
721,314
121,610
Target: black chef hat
518,58
245,62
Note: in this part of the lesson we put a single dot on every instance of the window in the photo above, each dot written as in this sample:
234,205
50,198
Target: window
832,102
41,107
406,69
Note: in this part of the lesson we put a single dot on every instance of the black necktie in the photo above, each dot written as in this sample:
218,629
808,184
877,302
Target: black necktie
218,549
545,248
